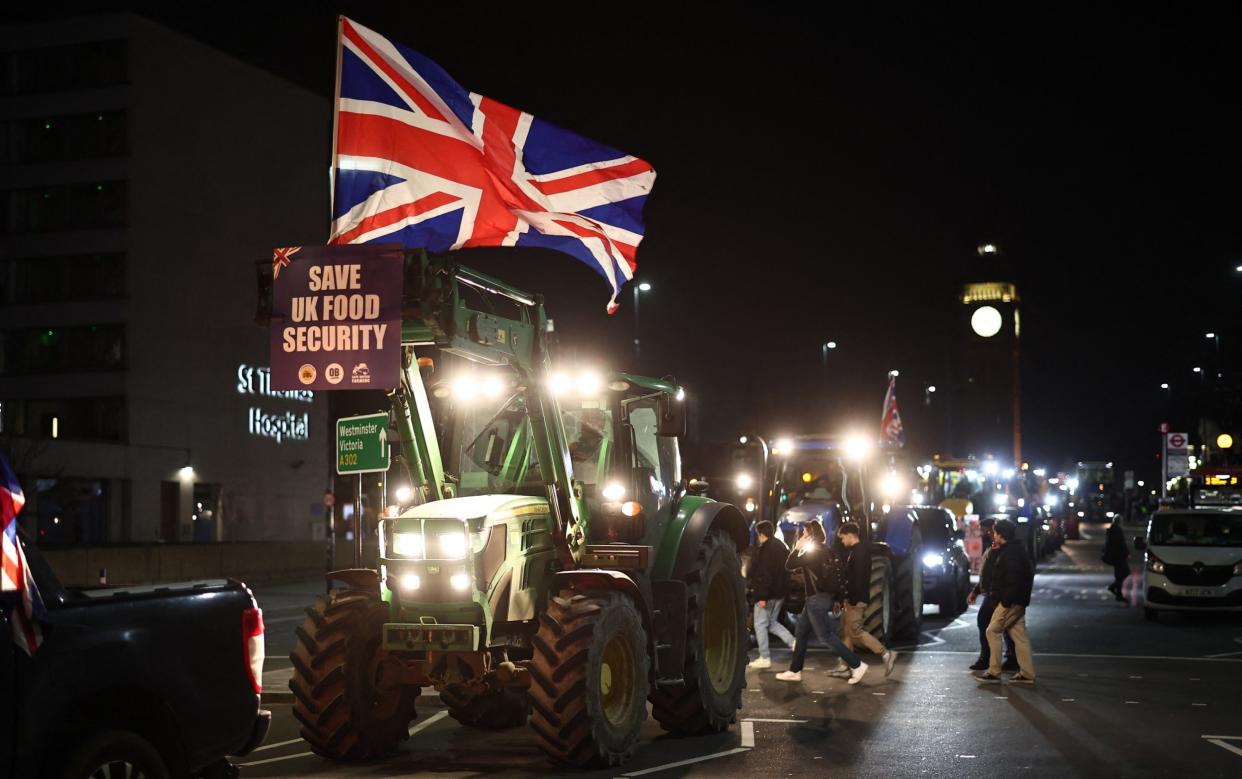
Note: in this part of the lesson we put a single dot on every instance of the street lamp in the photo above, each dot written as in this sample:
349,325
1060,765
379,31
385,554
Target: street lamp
640,287
1164,385
824,348
987,249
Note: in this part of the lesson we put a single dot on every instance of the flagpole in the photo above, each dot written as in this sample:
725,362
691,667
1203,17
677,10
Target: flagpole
336,113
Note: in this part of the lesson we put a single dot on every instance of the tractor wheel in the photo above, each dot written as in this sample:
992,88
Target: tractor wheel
715,670
343,684
589,679
490,709
877,617
908,592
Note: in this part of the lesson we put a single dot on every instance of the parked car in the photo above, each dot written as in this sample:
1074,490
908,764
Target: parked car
1192,561
159,681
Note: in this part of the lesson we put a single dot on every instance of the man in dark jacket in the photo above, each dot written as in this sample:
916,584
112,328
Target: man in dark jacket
1013,577
1117,555
987,606
769,584
858,594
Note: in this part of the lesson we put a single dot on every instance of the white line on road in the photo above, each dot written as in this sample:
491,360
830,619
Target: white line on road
680,763
277,744
748,735
790,721
434,718
1083,656
1226,738
1225,745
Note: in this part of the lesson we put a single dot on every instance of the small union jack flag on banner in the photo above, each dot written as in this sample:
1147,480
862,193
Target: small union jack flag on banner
422,162
891,432
15,575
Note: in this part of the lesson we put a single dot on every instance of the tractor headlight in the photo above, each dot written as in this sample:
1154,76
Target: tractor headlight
453,546
407,544
460,582
745,481
410,581
933,560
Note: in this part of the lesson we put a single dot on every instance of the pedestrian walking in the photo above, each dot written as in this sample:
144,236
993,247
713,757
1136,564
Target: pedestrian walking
1012,578
988,605
857,595
1117,555
769,584
824,578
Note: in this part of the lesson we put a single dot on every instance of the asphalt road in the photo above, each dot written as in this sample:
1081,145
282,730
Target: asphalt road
1116,696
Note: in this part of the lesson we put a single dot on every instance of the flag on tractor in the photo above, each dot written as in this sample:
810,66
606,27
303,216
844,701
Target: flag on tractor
420,161
15,575
891,432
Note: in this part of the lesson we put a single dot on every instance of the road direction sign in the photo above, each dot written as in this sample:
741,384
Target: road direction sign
362,444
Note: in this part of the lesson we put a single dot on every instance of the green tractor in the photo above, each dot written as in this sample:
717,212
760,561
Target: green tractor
557,569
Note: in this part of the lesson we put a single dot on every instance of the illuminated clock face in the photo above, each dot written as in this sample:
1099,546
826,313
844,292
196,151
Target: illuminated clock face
986,321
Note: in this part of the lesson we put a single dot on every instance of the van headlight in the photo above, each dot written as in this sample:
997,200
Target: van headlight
1156,565
408,544
453,545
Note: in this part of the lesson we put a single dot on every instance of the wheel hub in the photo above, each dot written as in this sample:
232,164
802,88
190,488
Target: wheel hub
616,681
720,635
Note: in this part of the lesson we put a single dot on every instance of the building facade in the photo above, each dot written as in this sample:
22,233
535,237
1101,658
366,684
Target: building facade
142,175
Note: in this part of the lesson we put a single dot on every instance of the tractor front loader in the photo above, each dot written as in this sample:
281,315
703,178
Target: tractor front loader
556,569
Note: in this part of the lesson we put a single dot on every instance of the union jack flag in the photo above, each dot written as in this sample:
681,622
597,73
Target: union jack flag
14,573
891,431
420,161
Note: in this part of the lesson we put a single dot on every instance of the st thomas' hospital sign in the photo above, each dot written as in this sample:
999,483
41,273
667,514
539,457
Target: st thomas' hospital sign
280,425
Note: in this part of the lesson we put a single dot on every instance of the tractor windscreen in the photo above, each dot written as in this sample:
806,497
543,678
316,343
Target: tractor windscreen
491,451
810,479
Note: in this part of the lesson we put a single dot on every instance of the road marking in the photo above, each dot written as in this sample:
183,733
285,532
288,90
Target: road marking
1223,743
1132,702
748,735
790,721
879,693
680,763
277,744
966,756
1002,697
434,718
1067,700
1136,677
1198,704
1083,656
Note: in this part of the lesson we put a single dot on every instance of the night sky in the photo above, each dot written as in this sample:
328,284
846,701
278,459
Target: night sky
828,176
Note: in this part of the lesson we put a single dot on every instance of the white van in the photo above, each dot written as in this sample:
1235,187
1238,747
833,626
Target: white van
1193,561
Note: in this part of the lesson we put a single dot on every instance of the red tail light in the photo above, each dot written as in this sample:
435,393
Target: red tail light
252,638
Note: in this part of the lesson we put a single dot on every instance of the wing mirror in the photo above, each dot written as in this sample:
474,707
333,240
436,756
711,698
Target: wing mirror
672,416
494,455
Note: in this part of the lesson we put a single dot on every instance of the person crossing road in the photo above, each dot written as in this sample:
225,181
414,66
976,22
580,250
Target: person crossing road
858,593
769,584
1013,578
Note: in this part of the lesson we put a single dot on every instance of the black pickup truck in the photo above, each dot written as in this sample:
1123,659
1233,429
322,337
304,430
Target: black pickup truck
156,681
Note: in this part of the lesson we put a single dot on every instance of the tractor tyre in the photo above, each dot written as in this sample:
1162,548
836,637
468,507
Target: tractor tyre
715,669
346,709
490,709
877,617
589,679
908,591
